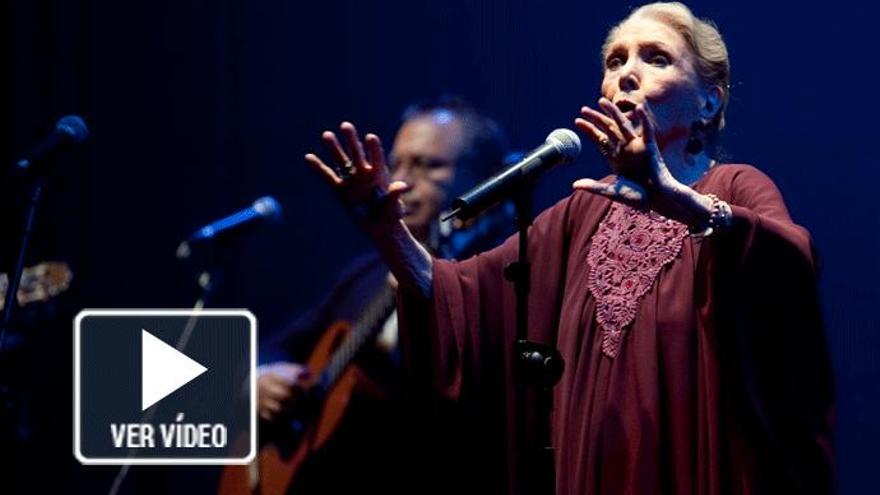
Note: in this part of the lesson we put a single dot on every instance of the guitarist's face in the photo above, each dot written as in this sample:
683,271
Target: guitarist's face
424,155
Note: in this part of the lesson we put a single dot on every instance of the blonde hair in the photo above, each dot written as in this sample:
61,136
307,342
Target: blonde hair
705,42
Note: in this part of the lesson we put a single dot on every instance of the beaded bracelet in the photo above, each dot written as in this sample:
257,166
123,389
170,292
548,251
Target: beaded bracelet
719,218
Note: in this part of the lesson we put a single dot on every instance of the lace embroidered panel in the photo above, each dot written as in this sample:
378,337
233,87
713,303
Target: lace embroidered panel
628,251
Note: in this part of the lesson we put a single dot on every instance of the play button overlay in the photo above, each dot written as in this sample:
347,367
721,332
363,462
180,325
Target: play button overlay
164,369
165,387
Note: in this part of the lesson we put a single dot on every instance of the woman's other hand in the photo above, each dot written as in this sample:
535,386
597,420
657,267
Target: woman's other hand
358,172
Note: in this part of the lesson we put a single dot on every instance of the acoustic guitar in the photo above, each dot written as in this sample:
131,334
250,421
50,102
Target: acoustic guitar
39,283
278,461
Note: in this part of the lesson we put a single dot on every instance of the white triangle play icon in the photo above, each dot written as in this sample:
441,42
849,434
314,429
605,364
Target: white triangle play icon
164,369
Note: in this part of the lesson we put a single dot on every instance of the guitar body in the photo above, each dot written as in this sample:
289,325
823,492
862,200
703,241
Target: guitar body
272,473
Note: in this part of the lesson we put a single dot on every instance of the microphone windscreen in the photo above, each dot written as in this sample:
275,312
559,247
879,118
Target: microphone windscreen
73,127
566,142
268,208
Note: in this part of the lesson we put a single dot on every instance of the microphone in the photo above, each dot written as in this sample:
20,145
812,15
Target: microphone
265,209
561,146
70,129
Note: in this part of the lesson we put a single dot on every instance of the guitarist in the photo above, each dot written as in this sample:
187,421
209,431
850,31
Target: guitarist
440,149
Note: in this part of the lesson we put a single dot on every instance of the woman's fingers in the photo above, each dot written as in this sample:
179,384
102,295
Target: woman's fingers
362,181
392,203
398,187
662,177
352,167
322,169
589,185
336,152
608,147
621,190
375,153
355,148
362,157
621,122
602,122
590,129
647,122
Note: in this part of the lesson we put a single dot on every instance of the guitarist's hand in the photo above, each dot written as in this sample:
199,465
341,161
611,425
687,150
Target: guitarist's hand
278,387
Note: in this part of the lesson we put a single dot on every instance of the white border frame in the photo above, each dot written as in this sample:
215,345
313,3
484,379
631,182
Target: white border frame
77,447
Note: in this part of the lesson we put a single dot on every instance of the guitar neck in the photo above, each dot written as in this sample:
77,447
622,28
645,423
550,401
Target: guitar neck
377,312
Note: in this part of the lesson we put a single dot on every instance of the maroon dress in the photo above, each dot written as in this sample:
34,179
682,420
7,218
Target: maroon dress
693,365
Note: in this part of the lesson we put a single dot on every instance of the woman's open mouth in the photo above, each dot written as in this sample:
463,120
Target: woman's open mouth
628,109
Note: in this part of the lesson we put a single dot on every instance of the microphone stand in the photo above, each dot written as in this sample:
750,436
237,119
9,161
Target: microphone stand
11,300
207,280
12,400
536,366
70,129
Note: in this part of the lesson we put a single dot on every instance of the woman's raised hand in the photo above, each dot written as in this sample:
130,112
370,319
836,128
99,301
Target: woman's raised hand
359,174
643,180
625,145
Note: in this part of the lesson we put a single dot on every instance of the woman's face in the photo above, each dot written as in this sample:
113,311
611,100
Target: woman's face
647,60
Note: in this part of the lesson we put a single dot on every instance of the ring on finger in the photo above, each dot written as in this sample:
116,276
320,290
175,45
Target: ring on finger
606,147
346,170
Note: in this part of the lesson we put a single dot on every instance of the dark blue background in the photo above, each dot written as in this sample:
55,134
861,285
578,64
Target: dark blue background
199,107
